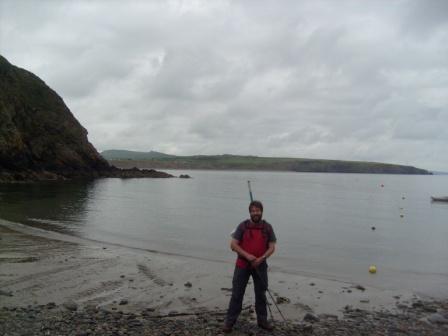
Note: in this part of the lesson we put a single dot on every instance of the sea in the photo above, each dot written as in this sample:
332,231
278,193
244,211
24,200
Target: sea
332,226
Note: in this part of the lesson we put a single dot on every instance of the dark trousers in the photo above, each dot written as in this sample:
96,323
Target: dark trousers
240,278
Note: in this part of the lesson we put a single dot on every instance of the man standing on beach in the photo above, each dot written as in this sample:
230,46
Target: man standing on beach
254,241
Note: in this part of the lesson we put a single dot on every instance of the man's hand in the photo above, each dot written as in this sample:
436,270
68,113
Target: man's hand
255,263
251,258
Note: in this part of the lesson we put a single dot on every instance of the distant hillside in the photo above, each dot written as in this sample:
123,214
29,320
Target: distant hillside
236,162
115,154
439,173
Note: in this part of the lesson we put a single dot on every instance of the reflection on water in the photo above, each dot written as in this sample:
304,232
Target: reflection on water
323,221
54,206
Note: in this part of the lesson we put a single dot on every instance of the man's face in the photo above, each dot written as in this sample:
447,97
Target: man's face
255,214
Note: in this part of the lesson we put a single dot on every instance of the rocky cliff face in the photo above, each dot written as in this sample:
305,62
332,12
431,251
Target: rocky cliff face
39,136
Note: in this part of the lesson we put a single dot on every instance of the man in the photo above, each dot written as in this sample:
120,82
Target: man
254,241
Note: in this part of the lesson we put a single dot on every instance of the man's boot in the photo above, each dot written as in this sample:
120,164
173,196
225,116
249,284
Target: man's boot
227,328
265,325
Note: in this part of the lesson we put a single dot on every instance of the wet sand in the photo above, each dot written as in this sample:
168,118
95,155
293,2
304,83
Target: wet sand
38,267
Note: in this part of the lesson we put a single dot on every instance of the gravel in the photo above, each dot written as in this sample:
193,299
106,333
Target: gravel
420,318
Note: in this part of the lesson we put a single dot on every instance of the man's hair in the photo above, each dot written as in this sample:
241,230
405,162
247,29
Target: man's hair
256,204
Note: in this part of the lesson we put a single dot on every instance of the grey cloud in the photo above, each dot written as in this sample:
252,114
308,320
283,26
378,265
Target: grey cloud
352,80
425,17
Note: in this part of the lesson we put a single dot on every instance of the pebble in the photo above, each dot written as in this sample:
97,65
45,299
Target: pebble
361,288
5,293
308,328
430,309
282,299
310,317
417,304
70,306
437,318
51,305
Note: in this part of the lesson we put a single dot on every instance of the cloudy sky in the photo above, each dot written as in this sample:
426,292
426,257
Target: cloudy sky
352,80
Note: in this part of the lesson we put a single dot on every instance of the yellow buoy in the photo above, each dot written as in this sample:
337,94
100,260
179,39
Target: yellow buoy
372,269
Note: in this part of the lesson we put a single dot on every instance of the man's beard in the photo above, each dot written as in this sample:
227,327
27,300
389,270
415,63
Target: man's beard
255,218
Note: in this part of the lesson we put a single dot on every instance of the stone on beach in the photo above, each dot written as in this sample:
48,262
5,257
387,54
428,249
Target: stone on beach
70,305
281,300
5,293
437,318
310,317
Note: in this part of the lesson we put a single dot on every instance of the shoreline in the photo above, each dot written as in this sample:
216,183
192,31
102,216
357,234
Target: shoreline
37,270
142,165
211,279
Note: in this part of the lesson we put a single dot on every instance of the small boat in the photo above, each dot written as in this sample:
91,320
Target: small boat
439,199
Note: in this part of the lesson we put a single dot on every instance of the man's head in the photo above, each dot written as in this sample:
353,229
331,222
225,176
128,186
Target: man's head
256,211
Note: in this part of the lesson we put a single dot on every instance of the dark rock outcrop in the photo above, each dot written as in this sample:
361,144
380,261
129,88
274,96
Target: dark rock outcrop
40,139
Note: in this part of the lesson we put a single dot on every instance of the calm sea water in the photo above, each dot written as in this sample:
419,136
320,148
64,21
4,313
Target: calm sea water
323,221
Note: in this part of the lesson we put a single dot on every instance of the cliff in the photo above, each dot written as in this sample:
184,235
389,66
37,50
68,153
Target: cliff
39,136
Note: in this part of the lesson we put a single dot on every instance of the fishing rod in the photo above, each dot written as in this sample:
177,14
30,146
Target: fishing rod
250,192
259,276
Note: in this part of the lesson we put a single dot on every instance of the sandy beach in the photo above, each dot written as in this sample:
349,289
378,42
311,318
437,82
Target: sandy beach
38,268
